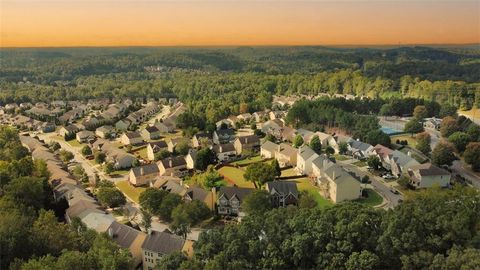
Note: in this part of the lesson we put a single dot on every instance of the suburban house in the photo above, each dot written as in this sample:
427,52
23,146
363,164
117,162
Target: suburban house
305,156
273,127
150,133
158,244
200,139
173,166
306,134
276,114
223,136
171,184
224,123
359,149
190,158
85,136
283,193
247,143
164,127
326,139
336,183
428,175
199,194
155,147
131,138
383,153
432,123
143,175
123,124
259,116
268,149
341,139
118,157
286,155
48,127
288,134
172,144
224,152
399,162
68,130
244,116
104,132
128,238
230,199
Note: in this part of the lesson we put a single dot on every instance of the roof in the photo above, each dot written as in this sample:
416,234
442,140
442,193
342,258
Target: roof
170,184
230,192
159,144
162,242
145,170
402,159
132,135
222,148
151,129
225,132
337,174
98,221
269,146
122,234
202,135
306,152
248,139
283,187
382,150
287,149
360,145
172,162
428,169
105,129
82,206
197,193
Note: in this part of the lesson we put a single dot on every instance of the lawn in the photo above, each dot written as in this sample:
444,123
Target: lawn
248,160
142,153
75,143
289,172
474,113
129,190
235,175
340,157
411,140
305,184
373,199
360,163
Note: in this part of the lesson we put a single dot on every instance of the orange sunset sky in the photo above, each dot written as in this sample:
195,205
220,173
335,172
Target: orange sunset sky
57,23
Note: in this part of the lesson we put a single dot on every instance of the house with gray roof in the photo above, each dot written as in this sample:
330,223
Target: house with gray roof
428,175
173,166
223,136
305,156
268,149
128,238
229,201
359,149
224,152
158,244
142,175
283,193
399,162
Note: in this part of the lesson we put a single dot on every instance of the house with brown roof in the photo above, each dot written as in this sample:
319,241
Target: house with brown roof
268,149
201,139
224,152
173,166
165,127
104,132
199,194
428,175
143,175
155,147
286,155
158,244
150,133
85,136
171,184
131,138
247,143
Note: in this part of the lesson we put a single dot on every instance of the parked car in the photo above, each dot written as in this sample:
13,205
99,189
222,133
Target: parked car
394,191
388,176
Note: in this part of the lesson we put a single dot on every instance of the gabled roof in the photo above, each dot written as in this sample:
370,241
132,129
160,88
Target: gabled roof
170,184
145,170
249,139
172,162
428,169
382,151
162,242
158,144
269,146
132,135
225,132
222,148
105,128
283,187
122,234
337,174
197,193
239,193
306,152
151,129
402,159
360,145
288,150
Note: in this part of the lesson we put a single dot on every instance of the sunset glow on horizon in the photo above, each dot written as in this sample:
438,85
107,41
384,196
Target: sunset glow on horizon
56,23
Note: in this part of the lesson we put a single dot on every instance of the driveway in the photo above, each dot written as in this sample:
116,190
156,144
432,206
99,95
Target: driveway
378,184
458,167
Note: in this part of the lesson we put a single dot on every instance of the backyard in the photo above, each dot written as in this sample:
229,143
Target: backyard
130,191
75,143
235,176
248,160
404,137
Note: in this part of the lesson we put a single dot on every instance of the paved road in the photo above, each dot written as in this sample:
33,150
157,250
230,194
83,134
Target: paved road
434,137
459,168
377,183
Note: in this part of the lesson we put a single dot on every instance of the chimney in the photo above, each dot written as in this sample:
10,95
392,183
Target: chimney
409,153
110,232
149,231
170,162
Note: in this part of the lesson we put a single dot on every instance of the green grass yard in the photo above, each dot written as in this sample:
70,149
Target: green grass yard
129,190
235,175
141,152
75,143
373,199
303,184
289,172
248,160
360,163
404,137
340,157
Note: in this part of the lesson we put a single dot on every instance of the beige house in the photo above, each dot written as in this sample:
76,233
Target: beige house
104,131
155,147
143,175
200,194
286,155
201,139
164,127
128,238
305,156
224,152
150,133
131,138
158,244
85,136
190,158
172,144
247,143
428,175
268,149
173,166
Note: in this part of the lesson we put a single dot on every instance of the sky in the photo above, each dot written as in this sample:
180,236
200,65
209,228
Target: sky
71,23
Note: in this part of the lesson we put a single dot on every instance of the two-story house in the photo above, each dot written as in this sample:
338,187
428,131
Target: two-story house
250,143
143,175
155,147
224,152
229,201
283,193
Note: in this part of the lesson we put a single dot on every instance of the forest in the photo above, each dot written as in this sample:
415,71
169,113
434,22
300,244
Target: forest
220,79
